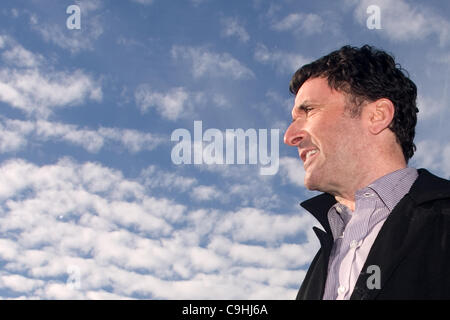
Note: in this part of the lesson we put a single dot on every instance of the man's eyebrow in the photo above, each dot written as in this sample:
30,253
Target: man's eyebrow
305,104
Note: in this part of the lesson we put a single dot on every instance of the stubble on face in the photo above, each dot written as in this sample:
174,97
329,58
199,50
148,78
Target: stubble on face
334,132
334,162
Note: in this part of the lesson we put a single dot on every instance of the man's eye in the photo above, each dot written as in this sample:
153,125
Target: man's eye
307,109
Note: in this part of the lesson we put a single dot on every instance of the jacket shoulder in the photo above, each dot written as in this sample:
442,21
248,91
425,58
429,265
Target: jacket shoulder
429,187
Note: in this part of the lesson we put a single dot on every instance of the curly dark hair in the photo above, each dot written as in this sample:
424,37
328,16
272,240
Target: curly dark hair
366,74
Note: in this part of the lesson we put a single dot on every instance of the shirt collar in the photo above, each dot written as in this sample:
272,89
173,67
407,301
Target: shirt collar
427,187
391,188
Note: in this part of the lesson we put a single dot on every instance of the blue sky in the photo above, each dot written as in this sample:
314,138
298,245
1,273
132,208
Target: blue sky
91,204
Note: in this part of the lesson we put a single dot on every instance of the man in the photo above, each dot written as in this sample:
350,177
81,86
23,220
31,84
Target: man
386,226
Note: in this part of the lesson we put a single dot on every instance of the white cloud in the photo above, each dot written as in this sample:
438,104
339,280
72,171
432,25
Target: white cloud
282,61
126,243
442,58
286,103
38,93
36,89
154,178
14,12
88,139
292,171
241,191
231,27
273,276
429,108
206,260
400,21
280,257
18,283
198,2
220,101
16,133
33,19
16,55
208,63
446,161
176,103
433,155
307,23
133,140
205,193
73,40
250,224
144,2
88,6
13,135
170,105
284,256
129,42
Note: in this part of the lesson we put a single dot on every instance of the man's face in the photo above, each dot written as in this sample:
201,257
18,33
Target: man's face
329,141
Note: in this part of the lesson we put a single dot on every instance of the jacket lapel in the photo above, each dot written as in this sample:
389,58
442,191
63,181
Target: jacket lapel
326,244
318,206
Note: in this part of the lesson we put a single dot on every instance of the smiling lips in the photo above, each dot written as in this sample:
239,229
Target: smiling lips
306,154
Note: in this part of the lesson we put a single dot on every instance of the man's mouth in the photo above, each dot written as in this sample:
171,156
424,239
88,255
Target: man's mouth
309,156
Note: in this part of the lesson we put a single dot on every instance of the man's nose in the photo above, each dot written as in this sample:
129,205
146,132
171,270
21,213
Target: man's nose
294,134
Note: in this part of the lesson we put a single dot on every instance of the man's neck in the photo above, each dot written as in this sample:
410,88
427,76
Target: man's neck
347,197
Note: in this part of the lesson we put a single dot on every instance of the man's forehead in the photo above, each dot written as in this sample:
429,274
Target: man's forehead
305,102
313,86
315,91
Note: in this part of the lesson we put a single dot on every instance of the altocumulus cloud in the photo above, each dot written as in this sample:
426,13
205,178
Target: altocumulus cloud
284,62
309,23
402,21
32,86
175,103
129,244
84,39
171,105
206,63
16,134
232,27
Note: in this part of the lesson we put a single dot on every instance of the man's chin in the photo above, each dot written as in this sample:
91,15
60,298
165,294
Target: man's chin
309,183
313,181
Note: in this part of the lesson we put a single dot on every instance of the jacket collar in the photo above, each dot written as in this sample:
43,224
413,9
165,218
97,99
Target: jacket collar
427,187
318,207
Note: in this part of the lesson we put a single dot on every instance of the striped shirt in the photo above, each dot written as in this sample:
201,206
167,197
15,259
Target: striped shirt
355,232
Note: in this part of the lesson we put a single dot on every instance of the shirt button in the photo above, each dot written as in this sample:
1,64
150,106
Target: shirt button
338,209
341,290
353,244
367,194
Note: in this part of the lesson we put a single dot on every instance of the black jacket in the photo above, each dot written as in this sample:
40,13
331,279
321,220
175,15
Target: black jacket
412,249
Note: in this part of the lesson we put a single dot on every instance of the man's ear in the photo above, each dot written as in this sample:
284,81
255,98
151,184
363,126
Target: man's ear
380,115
